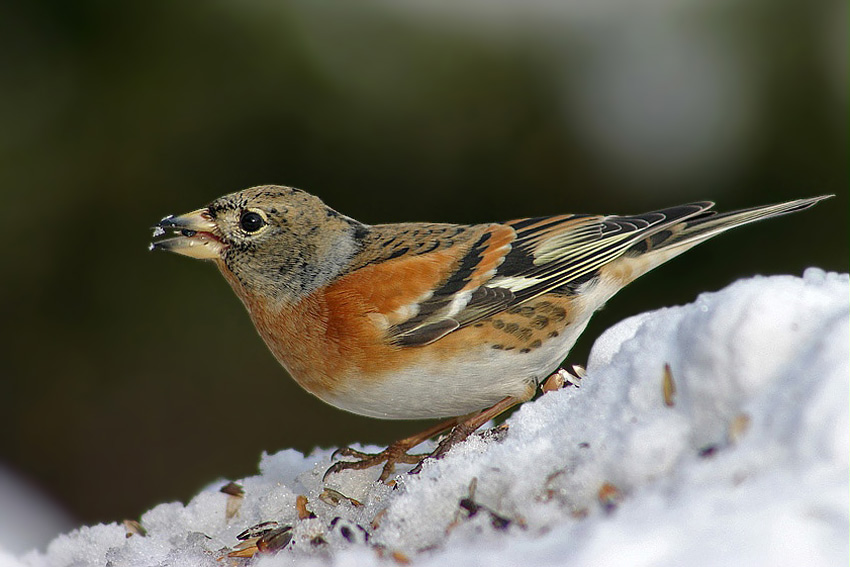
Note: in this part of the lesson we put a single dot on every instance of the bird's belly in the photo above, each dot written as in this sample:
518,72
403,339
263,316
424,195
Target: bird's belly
435,387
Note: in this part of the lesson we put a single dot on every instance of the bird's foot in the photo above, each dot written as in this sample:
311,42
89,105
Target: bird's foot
397,453
461,428
467,427
459,433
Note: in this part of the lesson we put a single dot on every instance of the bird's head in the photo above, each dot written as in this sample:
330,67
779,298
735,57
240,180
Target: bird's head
277,242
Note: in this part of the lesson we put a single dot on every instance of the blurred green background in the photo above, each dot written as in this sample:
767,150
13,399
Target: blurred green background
131,378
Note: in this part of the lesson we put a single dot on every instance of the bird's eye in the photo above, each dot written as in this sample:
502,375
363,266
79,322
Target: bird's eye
251,221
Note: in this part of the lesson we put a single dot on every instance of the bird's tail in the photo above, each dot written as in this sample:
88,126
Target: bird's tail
710,223
678,235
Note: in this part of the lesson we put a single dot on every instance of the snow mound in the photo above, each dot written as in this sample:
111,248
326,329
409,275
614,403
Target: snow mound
744,461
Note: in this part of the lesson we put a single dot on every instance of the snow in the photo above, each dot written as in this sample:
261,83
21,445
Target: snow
748,466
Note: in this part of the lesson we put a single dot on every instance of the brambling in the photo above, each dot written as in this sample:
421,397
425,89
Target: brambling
428,320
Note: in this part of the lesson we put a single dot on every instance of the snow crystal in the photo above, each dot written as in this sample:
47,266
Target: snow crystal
747,466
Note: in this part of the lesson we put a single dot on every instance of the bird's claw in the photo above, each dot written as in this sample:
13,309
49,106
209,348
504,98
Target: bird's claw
349,452
392,455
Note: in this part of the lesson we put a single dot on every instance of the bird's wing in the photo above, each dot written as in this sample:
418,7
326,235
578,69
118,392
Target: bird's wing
455,275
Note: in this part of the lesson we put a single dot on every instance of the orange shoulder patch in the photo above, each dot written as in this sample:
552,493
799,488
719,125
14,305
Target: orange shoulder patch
497,246
391,285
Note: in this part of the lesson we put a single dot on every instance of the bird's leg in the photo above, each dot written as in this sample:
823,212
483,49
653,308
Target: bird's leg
462,427
468,426
395,453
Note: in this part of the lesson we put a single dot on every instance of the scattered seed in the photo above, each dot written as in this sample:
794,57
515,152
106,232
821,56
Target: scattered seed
265,537
376,521
554,382
400,558
233,489
562,378
549,493
574,378
471,507
668,387
132,527
246,549
499,522
258,530
301,506
346,530
738,427
609,497
275,540
334,498
235,494
708,451
231,509
331,497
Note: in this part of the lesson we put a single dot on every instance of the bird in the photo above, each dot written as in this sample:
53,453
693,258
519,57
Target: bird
419,320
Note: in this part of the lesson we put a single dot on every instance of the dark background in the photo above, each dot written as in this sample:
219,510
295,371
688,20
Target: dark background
131,378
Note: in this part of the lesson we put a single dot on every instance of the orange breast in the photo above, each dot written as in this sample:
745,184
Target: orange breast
328,342
335,333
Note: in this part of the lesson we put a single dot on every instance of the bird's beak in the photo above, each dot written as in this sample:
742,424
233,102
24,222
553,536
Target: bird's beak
196,235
